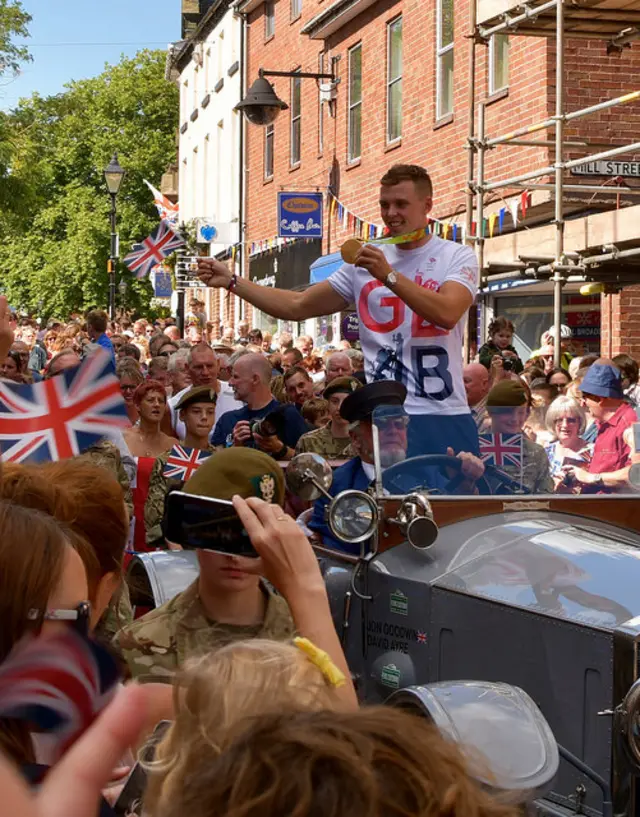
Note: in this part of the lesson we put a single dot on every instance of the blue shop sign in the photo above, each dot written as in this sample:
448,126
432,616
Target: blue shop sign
162,287
300,215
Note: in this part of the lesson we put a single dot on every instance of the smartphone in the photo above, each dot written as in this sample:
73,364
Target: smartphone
130,799
206,524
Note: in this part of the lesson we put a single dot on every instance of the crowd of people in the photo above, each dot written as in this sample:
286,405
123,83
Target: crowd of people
245,663
577,419
257,723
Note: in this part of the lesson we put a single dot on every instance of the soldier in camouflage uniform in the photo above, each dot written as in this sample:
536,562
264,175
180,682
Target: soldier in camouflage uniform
225,603
107,455
197,411
508,405
332,441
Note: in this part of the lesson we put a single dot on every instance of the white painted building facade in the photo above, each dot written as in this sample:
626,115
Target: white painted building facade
208,70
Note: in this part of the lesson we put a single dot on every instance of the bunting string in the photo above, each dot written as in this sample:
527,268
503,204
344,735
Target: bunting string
453,229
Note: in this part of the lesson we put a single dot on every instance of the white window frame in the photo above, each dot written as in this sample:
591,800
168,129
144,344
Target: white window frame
269,131
295,9
395,80
493,55
293,119
441,51
269,19
351,156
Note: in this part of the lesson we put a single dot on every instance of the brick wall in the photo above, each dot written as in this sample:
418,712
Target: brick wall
621,323
591,76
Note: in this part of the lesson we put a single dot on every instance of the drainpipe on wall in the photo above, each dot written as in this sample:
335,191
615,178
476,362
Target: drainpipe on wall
242,137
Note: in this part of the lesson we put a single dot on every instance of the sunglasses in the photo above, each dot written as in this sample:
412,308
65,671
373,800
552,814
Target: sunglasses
393,424
78,616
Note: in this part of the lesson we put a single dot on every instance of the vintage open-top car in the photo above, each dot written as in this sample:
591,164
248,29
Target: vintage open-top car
537,591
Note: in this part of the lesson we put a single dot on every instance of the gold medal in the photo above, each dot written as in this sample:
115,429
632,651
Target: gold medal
351,249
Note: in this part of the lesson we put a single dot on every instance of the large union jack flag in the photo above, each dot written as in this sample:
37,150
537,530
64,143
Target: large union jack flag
184,462
63,416
153,250
501,449
167,210
58,683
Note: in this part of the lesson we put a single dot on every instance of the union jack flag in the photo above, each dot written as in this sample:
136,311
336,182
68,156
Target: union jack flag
167,210
501,449
184,462
154,249
421,637
63,416
59,683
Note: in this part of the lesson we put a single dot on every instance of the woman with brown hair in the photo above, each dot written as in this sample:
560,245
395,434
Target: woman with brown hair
373,762
86,499
40,572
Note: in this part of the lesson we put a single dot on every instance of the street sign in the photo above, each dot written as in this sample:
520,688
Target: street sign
299,215
630,170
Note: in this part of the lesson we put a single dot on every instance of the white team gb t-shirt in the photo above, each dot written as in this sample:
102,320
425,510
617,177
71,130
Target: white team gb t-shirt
397,343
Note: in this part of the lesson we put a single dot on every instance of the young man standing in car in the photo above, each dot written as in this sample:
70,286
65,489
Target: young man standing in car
412,300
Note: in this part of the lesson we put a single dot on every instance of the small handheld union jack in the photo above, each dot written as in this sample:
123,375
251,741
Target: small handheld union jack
62,416
59,684
501,449
153,250
184,462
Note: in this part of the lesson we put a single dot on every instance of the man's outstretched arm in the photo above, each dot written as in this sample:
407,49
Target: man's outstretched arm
319,299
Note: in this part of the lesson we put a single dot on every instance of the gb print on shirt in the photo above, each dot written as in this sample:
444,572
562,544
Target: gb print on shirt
400,345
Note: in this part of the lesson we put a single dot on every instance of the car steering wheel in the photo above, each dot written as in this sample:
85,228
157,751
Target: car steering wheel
394,476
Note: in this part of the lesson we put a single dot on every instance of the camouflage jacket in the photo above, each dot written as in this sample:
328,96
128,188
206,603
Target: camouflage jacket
535,468
156,645
105,454
159,487
321,441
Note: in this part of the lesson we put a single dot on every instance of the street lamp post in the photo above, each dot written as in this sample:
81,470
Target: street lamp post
113,175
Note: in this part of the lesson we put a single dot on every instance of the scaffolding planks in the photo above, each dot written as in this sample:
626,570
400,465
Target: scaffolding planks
618,21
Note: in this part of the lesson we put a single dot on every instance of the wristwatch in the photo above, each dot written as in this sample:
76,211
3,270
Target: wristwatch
392,279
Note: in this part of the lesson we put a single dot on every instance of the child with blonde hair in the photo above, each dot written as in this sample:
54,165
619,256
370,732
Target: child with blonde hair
218,695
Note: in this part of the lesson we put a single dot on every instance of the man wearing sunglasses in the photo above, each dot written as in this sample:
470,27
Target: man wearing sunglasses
603,398
385,398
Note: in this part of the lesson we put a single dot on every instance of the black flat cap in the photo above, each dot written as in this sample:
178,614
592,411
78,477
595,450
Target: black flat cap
361,403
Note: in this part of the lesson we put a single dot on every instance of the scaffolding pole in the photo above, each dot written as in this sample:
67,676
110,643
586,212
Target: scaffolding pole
480,193
471,151
547,171
585,188
558,279
568,117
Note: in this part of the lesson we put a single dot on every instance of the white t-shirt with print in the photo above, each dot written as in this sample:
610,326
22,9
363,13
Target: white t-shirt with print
397,343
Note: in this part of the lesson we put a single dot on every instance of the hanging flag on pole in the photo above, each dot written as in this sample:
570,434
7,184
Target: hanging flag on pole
167,210
62,416
153,250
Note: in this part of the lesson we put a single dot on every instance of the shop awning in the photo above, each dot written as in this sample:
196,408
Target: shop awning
324,266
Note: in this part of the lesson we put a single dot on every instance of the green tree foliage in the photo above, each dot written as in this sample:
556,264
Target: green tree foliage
54,228
14,22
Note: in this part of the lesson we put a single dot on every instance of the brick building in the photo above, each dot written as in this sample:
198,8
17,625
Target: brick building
403,96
